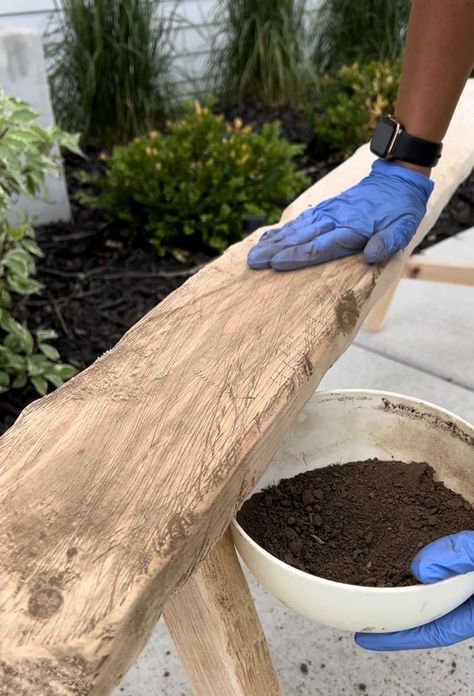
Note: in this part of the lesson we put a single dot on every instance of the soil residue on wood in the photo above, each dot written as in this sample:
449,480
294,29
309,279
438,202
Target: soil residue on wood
360,523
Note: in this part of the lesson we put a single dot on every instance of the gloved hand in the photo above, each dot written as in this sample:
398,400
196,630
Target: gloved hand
443,558
379,215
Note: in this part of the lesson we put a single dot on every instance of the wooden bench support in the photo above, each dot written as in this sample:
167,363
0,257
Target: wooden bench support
439,271
420,268
376,317
215,627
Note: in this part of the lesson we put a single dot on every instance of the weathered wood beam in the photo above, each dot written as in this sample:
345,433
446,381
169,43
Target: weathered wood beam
115,487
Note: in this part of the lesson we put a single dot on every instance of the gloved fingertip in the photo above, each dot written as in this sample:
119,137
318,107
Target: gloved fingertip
259,266
282,264
258,258
270,234
421,568
431,563
447,556
370,258
370,641
375,250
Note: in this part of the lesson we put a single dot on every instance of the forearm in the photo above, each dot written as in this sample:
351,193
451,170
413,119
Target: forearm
439,56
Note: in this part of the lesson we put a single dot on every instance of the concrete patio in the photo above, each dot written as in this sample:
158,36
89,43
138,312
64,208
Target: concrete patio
426,350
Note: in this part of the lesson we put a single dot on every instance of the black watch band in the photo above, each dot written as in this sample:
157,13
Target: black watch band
390,141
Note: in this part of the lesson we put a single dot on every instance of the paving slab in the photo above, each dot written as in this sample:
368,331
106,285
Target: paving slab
311,659
431,325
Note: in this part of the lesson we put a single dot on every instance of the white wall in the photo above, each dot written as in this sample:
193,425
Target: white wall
23,74
193,33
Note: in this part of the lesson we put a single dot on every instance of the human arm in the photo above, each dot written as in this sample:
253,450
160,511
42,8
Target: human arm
438,58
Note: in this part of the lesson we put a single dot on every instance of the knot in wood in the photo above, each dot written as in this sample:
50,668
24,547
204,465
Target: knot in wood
44,603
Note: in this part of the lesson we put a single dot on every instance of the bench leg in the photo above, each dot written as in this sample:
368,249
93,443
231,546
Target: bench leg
216,630
376,317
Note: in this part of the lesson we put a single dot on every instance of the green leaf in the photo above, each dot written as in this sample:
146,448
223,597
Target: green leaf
17,363
45,335
7,322
15,234
70,141
5,297
20,381
24,115
42,135
12,361
16,139
4,381
40,384
54,378
64,371
50,351
13,343
25,338
17,260
37,364
32,247
23,286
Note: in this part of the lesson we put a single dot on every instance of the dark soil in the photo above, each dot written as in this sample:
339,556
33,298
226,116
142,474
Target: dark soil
360,523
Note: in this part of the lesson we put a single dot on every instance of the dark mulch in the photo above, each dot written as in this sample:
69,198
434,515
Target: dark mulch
94,289
293,120
456,217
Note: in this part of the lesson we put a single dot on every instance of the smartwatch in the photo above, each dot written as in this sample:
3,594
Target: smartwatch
390,141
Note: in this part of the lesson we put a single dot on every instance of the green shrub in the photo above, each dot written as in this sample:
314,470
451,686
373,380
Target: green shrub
109,68
348,105
346,32
262,50
24,160
191,187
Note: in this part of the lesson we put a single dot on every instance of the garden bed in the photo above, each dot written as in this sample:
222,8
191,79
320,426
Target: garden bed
94,289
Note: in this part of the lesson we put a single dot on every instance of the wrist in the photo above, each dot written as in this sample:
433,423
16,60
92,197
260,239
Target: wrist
390,168
426,171
391,141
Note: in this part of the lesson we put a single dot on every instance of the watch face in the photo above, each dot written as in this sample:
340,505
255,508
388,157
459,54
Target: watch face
382,137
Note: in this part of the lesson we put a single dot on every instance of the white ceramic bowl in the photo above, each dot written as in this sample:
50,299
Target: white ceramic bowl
344,426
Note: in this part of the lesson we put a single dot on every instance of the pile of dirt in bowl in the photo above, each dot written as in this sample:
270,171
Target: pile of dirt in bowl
359,523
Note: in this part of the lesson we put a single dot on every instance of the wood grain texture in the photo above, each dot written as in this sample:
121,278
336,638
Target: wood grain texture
216,630
115,487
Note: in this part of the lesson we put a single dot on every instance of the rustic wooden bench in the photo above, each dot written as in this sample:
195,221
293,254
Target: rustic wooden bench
118,488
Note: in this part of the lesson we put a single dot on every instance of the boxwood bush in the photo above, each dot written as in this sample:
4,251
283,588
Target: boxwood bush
348,105
190,187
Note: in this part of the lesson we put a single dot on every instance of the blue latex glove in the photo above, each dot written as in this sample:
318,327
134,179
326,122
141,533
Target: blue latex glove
379,216
443,558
